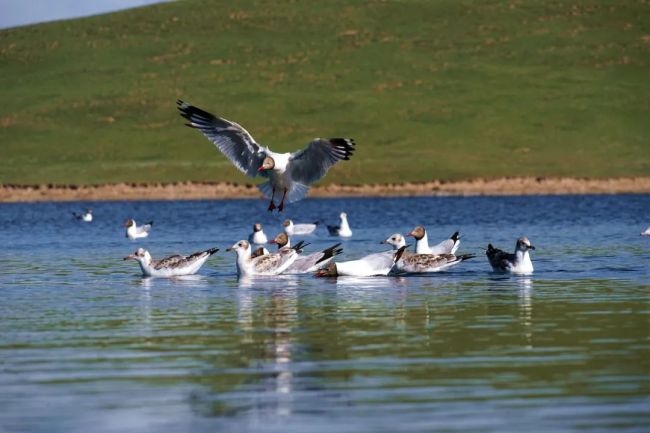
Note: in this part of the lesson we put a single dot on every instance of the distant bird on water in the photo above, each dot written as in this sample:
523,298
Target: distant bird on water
343,229
646,232
172,266
517,263
289,174
87,216
292,229
258,236
135,232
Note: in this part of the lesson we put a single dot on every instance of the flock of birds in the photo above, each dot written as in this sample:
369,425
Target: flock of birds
254,259
290,176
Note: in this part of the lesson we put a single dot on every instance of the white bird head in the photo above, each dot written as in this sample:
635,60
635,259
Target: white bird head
396,240
241,247
523,244
141,255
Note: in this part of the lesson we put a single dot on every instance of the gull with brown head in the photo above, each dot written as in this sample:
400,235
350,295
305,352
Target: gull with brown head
289,174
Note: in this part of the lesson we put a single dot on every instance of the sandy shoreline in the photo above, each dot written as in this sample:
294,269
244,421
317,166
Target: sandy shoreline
222,190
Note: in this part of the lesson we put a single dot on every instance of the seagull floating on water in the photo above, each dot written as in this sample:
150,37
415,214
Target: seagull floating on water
172,266
343,229
292,229
377,264
266,264
135,232
422,263
448,246
87,216
307,263
257,237
289,174
646,232
517,263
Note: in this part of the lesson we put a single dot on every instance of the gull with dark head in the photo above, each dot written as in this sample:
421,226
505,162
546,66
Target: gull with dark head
264,264
172,266
517,263
448,246
307,263
135,232
422,263
343,229
258,236
289,174
292,229
86,216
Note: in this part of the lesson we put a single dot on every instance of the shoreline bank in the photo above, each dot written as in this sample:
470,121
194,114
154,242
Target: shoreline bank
226,190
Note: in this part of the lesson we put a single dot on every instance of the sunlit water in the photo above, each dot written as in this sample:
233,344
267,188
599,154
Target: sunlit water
87,345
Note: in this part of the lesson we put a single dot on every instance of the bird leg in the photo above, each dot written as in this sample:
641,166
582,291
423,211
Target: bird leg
272,205
281,207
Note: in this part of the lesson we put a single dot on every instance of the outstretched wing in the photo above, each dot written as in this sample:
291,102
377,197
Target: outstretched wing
310,164
231,139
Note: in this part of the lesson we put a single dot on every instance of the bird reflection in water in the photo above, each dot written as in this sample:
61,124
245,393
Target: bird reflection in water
276,304
526,308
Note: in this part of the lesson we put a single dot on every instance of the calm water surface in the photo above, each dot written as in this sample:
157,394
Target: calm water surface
86,344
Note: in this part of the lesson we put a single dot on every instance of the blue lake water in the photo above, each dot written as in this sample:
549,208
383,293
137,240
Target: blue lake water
86,344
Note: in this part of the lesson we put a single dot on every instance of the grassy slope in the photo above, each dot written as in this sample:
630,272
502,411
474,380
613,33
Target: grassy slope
430,89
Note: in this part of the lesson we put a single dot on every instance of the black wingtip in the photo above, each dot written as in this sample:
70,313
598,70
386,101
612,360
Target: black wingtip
212,250
398,254
299,246
150,223
466,256
332,251
455,236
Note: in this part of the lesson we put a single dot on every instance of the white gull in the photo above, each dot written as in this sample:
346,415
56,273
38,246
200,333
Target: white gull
289,174
423,263
266,264
343,229
448,246
257,237
307,263
135,232
292,229
377,264
171,266
87,216
517,263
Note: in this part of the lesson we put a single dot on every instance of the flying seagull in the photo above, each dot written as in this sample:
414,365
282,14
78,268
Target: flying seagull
289,174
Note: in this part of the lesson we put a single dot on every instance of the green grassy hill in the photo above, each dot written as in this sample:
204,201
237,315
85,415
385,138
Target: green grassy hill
429,89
